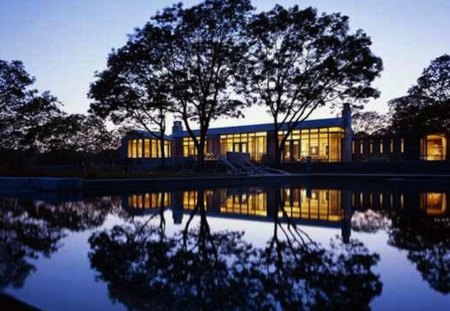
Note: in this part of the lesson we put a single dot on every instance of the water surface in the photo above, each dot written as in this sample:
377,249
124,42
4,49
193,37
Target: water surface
318,245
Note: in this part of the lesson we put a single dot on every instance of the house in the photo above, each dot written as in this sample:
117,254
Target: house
324,140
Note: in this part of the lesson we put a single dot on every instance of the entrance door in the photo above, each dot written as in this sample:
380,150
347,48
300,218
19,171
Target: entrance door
295,150
240,147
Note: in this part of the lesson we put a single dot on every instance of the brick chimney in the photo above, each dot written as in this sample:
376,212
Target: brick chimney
177,127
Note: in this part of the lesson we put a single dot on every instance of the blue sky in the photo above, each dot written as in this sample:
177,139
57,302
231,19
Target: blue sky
63,42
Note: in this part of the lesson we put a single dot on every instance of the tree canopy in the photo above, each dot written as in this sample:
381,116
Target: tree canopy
426,107
370,122
131,90
35,122
23,111
301,60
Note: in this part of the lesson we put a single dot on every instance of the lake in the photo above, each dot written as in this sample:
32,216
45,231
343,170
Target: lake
313,244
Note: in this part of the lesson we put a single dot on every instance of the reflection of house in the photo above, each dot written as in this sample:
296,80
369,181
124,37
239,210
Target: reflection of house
313,204
431,203
318,207
293,203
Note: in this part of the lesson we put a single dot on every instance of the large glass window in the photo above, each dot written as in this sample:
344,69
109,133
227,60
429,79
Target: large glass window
252,143
433,147
148,148
323,144
189,148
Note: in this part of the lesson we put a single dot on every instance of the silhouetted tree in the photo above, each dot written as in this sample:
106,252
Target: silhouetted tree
301,60
370,122
426,107
23,111
132,88
78,133
203,60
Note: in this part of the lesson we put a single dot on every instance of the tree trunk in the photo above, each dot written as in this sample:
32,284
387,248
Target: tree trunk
201,151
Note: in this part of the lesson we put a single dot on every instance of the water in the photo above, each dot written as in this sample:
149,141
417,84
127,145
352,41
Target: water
344,245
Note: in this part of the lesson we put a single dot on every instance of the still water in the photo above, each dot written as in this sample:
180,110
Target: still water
314,246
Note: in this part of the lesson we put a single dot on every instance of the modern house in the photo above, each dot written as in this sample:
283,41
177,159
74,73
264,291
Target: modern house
324,140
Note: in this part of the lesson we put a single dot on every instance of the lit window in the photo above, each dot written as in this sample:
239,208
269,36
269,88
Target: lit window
147,148
434,203
391,146
139,148
434,147
371,146
402,145
251,143
381,146
361,146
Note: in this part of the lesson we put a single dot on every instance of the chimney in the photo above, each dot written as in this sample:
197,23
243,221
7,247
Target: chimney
177,127
347,115
348,136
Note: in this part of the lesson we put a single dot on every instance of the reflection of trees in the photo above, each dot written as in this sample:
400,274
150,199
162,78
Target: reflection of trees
193,269
369,221
303,273
200,269
29,229
427,241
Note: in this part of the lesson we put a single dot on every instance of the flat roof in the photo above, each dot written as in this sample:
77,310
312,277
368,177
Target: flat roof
320,123
146,134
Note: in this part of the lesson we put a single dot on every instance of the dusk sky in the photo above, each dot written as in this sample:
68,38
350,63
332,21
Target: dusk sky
62,43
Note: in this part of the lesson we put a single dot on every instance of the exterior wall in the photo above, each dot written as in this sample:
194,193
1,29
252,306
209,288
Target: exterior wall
411,150
382,148
271,147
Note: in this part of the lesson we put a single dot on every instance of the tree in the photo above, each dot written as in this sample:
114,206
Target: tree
426,107
203,60
23,111
78,133
301,60
369,122
32,121
131,89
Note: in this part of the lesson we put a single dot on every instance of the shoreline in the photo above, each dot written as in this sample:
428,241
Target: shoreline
75,184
